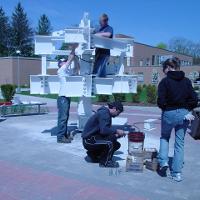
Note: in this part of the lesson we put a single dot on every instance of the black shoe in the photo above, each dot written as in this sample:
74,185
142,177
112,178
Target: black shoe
109,164
93,158
63,140
162,171
70,136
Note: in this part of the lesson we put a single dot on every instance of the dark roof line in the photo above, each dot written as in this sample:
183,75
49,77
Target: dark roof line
162,49
119,35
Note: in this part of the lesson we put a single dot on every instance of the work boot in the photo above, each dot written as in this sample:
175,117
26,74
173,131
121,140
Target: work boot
109,164
69,136
63,140
162,170
93,157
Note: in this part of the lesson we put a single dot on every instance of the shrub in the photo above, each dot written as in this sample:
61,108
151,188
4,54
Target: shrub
136,97
103,98
8,91
119,97
144,86
151,94
196,87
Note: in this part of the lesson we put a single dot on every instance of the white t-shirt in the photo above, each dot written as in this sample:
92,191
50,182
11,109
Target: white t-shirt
65,70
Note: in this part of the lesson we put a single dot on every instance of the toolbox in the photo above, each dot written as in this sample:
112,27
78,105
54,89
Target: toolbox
135,164
150,153
152,164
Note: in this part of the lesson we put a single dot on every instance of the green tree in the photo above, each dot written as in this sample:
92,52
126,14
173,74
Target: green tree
161,45
4,33
21,32
151,94
44,26
185,46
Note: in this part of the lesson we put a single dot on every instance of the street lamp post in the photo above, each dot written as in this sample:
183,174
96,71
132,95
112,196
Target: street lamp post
18,72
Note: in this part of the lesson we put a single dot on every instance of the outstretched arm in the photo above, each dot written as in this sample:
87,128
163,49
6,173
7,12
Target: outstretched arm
104,34
61,70
71,56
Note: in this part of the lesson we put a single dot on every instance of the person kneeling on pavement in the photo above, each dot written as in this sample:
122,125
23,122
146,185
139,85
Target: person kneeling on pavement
100,137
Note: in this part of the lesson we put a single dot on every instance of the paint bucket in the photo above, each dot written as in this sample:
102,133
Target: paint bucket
135,142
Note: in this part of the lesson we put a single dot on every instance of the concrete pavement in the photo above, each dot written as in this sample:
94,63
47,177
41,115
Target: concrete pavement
34,167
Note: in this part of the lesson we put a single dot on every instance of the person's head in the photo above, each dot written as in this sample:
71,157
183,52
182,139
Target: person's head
171,64
103,20
61,62
73,46
115,108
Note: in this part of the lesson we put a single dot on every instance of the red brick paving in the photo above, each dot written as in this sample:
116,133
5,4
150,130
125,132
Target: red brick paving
24,183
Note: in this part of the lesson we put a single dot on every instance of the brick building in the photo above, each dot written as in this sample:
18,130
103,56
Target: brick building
146,62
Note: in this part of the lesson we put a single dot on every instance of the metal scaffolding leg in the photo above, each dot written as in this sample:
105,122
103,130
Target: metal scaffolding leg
84,111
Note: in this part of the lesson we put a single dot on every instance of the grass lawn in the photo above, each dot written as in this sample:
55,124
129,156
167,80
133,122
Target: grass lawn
52,96
128,97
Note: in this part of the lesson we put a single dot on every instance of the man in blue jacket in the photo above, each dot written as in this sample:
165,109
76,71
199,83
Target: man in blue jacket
100,138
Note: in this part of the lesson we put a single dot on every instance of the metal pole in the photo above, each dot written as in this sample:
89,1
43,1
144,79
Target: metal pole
18,75
18,72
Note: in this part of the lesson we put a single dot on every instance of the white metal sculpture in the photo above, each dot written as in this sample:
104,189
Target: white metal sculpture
84,86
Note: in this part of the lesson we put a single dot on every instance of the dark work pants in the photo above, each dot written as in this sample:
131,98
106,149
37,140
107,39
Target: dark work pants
63,104
102,147
100,65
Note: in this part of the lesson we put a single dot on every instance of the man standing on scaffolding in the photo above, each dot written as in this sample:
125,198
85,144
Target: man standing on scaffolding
102,55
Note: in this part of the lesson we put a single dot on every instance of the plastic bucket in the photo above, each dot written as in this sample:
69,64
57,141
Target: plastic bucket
135,142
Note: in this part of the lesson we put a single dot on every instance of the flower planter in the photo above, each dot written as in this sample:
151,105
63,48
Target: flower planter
5,103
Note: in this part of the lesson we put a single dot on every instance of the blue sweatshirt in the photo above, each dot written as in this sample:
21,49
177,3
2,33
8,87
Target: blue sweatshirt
99,124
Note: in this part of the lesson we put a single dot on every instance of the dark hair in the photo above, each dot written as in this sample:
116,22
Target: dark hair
61,61
105,16
116,104
173,63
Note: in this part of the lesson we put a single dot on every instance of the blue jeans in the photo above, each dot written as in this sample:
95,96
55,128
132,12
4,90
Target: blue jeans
63,104
100,65
173,119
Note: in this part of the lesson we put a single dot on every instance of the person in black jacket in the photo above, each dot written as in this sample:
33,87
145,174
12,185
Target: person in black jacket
100,137
176,98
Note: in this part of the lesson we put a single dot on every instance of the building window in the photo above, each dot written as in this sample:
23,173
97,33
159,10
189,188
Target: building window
158,60
153,59
141,63
128,61
148,62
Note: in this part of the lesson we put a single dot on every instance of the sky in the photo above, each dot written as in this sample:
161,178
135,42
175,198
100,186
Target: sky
148,21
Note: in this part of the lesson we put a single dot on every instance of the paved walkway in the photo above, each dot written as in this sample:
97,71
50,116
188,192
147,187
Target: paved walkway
34,167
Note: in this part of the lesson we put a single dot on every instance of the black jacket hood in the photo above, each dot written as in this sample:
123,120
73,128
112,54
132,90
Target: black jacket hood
176,75
104,109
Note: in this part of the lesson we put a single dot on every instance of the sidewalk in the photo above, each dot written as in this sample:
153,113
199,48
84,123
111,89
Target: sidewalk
34,167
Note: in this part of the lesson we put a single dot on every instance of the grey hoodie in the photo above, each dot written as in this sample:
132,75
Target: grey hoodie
99,123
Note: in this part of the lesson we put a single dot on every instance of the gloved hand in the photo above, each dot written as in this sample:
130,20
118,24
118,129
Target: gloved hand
189,117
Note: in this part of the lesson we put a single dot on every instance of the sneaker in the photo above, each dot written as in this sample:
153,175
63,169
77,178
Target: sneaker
162,170
109,164
176,177
63,140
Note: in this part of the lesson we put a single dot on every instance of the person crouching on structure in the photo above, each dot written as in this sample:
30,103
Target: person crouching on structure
63,102
176,98
100,137
102,55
